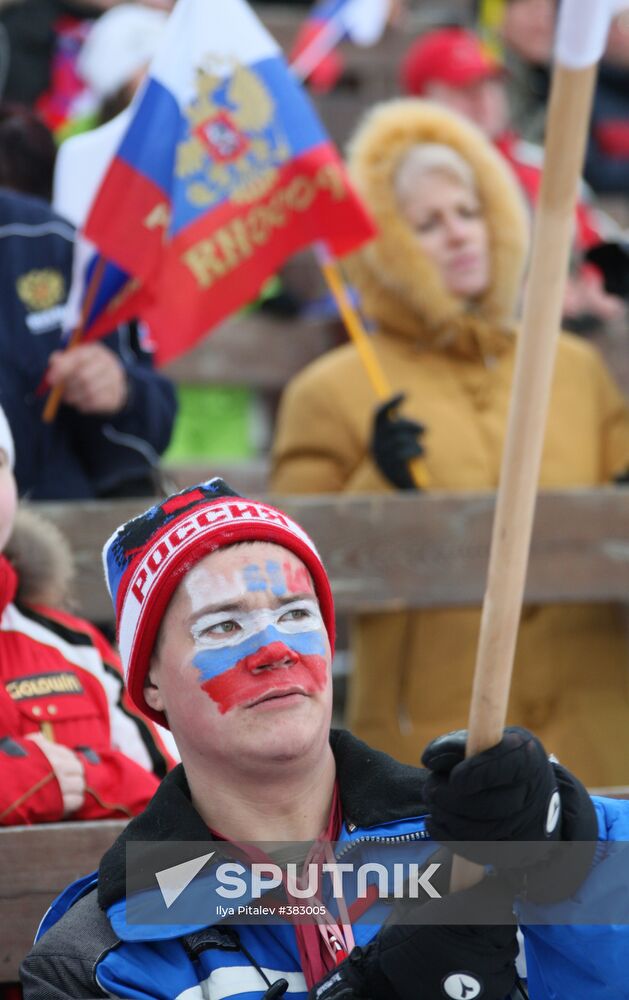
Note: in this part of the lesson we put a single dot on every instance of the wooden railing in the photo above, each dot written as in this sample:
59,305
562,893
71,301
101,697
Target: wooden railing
409,551
36,863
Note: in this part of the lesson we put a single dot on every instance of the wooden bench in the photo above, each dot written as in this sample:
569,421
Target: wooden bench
426,551
36,863
402,551
255,350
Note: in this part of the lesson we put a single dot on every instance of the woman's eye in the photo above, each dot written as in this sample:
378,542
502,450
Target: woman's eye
426,225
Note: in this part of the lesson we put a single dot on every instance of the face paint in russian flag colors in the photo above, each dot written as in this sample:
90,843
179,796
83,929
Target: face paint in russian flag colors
250,657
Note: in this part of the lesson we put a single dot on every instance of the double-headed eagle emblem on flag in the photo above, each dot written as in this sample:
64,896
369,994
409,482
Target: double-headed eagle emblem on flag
235,144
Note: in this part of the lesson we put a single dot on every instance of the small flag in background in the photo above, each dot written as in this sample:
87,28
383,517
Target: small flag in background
117,298
78,176
330,22
223,172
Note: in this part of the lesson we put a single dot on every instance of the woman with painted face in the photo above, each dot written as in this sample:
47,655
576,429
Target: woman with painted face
441,285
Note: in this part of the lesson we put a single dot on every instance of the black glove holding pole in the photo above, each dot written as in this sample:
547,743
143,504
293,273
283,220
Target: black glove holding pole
437,957
512,792
396,442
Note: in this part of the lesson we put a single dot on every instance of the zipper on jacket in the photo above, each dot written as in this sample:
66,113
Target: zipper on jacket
400,838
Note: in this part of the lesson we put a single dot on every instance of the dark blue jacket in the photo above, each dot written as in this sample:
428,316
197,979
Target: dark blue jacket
76,456
91,943
607,158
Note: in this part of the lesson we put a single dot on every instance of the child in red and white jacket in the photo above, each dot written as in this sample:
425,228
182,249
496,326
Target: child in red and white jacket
71,745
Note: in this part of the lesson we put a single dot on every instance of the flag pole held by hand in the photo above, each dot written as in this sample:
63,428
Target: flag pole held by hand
358,336
581,36
54,397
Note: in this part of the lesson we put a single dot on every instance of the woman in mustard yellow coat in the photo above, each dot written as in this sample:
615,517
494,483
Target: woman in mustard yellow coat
441,285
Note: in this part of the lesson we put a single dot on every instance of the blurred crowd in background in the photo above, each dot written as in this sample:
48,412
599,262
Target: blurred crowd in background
68,70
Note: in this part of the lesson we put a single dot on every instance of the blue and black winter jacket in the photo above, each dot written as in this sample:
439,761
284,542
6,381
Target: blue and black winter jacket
87,946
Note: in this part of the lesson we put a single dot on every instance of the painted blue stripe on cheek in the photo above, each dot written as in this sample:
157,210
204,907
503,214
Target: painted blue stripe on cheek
212,662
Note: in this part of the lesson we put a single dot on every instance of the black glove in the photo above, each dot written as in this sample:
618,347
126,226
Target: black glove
612,258
395,442
512,792
437,957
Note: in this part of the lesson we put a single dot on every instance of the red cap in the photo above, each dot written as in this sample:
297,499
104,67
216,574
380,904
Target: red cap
450,55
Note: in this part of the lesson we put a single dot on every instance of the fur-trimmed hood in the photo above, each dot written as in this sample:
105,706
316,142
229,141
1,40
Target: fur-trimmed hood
400,289
42,558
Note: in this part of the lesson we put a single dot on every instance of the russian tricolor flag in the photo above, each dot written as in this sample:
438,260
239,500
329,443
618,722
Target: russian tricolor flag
223,172
329,23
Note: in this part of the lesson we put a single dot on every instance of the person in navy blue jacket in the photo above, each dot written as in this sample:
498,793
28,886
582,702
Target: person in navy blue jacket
607,159
117,413
225,623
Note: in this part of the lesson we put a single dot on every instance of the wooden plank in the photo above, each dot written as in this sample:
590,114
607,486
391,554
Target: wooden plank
37,862
255,350
613,792
248,478
397,551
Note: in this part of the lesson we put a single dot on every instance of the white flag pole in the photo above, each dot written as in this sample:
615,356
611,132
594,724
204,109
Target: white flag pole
363,21
318,48
581,35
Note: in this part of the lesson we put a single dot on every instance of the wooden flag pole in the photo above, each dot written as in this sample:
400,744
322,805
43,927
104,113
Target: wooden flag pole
358,336
568,120
567,125
54,397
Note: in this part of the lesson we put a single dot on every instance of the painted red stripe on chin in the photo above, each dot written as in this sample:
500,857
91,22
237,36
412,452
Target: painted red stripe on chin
239,686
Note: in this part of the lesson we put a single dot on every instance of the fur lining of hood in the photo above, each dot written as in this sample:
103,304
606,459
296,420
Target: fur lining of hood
400,288
42,558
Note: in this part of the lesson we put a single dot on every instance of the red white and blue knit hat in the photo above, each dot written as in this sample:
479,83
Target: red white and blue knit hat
146,559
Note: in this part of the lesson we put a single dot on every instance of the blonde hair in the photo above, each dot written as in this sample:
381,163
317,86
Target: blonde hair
429,158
